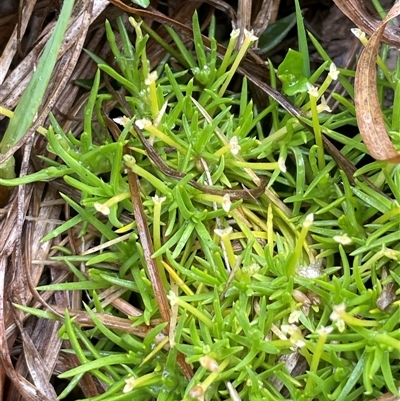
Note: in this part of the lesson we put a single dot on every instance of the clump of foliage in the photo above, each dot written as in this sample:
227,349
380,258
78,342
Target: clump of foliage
288,294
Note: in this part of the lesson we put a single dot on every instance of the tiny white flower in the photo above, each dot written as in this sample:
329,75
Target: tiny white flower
102,208
250,35
299,343
289,329
235,33
336,316
323,106
223,232
294,316
234,144
324,331
121,120
173,298
343,239
129,384
158,200
358,33
226,203
143,123
333,72
338,311
312,90
308,220
296,337
151,78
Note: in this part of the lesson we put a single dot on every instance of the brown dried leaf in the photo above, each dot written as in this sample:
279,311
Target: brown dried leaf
369,115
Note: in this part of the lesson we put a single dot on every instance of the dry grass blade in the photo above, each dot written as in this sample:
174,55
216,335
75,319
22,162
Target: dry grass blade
369,115
357,12
23,386
38,370
266,15
148,250
16,82
12,45
244,19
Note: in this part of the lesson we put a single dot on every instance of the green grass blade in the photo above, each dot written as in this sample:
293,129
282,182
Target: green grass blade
32,98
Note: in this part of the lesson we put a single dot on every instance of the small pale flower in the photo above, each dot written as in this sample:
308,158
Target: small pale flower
289,329
121,120
343,239
296,337
158,200
299,342
226,203
324,331
249,35
358,33
234,144
151,78
102,208
129,384
333,72
143,123
209,363
308,220
223,232
235,33
312,90
323,106
337,316
282,165
173,298
294,316
338,311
